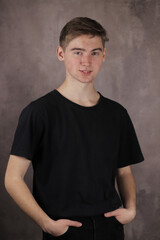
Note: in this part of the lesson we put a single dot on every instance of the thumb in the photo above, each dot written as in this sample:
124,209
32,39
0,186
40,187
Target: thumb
74,223
111,214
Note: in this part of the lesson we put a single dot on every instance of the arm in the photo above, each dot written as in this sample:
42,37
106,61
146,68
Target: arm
127,189
17,188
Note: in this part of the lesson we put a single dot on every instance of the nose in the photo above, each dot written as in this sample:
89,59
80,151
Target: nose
86,60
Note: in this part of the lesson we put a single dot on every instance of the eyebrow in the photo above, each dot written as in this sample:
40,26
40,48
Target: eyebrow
82,49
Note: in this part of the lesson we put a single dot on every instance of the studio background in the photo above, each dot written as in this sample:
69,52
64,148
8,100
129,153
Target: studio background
29,68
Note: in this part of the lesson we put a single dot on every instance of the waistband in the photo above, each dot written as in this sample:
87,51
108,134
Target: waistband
78,217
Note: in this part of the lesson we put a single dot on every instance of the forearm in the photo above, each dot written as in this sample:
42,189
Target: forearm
19,191
21,194
127,188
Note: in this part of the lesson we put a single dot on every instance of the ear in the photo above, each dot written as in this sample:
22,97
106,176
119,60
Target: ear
104,54
60,53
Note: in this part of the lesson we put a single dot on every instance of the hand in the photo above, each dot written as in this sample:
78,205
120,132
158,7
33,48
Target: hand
59,227
123,215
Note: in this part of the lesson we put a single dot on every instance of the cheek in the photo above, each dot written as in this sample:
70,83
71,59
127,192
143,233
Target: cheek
72,64
69,67
98,64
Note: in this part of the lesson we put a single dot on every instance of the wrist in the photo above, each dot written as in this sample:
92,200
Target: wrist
132,211
45,222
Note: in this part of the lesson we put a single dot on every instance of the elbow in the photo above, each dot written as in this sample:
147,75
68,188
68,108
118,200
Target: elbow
7,182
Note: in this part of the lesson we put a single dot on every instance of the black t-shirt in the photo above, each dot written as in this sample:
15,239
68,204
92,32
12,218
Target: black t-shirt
75,151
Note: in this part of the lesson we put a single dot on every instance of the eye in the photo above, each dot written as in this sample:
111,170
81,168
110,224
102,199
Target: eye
78,53
95,53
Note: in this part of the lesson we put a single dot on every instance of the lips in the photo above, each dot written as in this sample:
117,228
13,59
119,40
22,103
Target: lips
86,72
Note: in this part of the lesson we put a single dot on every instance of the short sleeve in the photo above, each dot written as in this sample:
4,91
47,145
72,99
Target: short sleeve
28,133
129,151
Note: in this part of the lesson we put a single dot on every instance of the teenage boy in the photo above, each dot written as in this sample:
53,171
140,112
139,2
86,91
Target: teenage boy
78,142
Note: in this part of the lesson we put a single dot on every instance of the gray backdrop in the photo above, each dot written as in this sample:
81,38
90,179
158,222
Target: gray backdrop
29,33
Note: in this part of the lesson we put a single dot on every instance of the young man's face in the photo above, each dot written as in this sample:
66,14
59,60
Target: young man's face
83,58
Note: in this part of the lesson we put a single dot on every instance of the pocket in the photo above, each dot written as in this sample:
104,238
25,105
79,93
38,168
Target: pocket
115,219
47,236
63,234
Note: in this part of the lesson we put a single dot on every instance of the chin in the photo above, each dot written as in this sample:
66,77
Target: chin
86,80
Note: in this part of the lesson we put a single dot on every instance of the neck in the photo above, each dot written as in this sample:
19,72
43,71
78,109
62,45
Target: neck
82,93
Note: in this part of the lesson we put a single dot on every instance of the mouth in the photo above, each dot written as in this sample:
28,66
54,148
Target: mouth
85,72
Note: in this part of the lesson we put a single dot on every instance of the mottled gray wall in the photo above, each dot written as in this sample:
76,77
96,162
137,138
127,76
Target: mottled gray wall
29,33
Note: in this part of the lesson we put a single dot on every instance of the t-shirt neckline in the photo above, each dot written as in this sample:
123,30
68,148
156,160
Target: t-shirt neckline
76,104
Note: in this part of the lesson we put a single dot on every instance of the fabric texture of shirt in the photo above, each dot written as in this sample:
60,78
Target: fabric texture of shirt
75,151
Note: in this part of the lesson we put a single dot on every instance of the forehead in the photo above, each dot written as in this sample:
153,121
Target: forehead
87,42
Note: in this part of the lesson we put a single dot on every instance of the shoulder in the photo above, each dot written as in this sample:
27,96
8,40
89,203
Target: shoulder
39,105
114,106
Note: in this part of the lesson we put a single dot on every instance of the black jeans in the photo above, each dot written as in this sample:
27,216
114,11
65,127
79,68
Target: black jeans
93,228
